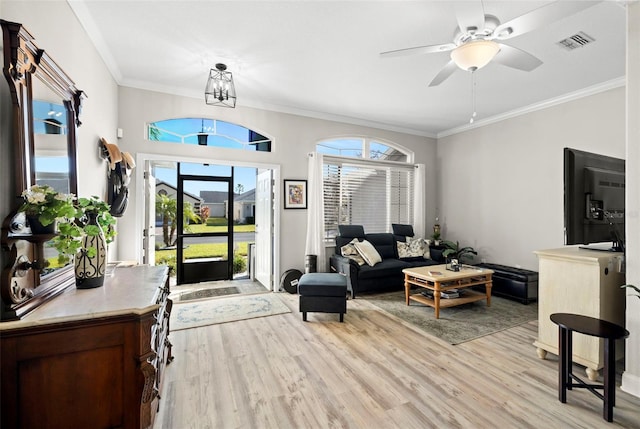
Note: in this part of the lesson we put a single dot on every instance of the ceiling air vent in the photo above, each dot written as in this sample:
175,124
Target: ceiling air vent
576,41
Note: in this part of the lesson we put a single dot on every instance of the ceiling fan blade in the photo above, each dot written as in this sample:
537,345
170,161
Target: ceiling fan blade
470,16
444,73
516,58
540,17
429,49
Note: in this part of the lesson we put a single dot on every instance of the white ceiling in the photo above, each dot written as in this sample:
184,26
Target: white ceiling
321,58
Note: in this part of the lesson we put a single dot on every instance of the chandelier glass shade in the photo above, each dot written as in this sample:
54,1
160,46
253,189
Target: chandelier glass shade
475,54
220,90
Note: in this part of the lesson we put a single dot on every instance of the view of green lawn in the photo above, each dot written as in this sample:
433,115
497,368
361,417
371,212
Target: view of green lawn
205,250
200,228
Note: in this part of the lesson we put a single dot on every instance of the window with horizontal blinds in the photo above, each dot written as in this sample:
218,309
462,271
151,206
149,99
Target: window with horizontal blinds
370,193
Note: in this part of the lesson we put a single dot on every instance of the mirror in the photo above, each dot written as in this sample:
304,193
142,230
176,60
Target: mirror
46,107
50,153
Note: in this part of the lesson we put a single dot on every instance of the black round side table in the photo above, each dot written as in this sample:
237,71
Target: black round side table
567,324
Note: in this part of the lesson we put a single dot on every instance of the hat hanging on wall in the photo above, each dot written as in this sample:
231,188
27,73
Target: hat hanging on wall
129,163
110,152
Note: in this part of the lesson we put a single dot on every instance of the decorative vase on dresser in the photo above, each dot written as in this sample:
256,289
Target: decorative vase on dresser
90,264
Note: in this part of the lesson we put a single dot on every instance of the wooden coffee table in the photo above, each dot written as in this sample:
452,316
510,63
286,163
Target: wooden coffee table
437,278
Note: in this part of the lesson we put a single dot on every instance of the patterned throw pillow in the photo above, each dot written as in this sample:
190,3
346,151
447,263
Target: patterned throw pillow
414,247
403,249
349,251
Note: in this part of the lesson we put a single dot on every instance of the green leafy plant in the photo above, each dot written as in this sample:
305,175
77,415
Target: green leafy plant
239,263
456,252
634,288
73,228
47,203
167,207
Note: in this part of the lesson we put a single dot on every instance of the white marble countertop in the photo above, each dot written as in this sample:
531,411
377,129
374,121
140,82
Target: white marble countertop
130,290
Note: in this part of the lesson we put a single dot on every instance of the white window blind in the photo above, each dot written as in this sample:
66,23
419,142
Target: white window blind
374,194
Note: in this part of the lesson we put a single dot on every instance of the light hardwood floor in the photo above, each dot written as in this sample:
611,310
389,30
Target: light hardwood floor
372,371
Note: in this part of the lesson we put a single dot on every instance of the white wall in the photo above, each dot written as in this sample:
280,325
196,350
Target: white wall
631,375
292,136
502,184
57,31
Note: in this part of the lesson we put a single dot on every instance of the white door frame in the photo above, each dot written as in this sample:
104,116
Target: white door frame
142,158
264,228
149,227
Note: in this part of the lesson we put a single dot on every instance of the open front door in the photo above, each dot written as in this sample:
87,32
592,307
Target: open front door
149,239
204,256
264,228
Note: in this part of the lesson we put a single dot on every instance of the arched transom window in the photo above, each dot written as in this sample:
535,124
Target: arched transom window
208,132
363,148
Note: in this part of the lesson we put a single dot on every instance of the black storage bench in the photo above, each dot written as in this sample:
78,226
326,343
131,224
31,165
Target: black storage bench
513,283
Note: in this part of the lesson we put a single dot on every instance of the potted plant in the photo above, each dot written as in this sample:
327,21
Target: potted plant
456,252
84,237
43,205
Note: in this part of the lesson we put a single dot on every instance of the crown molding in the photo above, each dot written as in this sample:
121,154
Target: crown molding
84,17
585,92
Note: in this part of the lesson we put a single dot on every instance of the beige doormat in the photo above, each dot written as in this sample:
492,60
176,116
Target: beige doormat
186,315
207,293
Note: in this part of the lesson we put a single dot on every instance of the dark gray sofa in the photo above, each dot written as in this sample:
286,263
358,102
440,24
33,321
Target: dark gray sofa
385,275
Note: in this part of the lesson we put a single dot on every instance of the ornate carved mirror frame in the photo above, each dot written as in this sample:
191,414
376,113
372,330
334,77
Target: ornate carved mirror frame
36,85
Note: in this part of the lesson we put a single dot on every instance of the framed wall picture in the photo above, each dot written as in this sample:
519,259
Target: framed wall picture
295,194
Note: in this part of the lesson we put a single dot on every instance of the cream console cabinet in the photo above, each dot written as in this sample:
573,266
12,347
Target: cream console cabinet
579,281
89,358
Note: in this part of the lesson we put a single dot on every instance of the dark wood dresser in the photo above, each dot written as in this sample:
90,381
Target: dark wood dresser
89,358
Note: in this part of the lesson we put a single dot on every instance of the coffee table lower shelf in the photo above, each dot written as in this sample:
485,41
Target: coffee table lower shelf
469,296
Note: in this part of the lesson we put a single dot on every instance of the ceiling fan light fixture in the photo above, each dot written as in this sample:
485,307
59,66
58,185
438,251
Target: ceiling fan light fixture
474,55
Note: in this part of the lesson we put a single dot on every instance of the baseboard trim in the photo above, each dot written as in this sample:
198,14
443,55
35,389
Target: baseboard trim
630,383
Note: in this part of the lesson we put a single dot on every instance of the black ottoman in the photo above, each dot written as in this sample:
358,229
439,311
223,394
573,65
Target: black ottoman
323,293
514,283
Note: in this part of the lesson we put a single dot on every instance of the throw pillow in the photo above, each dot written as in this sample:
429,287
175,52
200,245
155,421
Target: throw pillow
349,251
368,252
417,247
403,249
427,251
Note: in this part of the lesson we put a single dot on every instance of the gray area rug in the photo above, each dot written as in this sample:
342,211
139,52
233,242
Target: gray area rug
457,324
208,293
192,314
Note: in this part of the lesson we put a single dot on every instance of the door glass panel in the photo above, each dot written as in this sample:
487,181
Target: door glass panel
208,201
205,249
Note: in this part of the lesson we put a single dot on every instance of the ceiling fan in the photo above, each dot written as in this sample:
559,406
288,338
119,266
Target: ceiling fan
477,40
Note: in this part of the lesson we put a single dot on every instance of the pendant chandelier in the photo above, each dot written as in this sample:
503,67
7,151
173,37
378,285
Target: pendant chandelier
220,90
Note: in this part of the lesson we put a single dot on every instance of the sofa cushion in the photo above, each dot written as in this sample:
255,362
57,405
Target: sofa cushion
386,268
384,244
351,231
402,230
420,262
368,252
349,250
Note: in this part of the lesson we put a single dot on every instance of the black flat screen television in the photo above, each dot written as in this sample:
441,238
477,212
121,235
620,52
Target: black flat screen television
594,195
